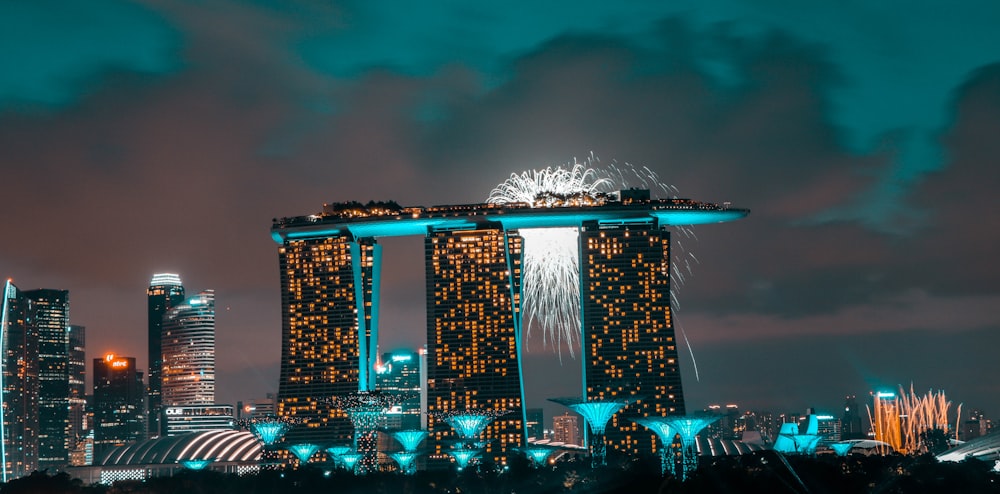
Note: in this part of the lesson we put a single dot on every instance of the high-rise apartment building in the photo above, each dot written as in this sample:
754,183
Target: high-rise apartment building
18,386
165,291
535,425
187,372
79,425
119,415
473,331
566,429
329,289
50,310
629,350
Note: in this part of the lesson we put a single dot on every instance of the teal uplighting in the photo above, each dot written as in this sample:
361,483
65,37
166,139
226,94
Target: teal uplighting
351,459
469,426
303,451
688,428
410,439
598,413
660,427
195,464
405,460
790,441
269,432
538,455
841,448
338,450
463,456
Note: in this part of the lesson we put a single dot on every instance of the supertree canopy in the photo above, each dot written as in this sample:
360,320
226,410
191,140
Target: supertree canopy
196,464
661,427
596,413
405,460
537,454
469,424
410,439
463,456
687,428
841,448
303,451
366,409
268,429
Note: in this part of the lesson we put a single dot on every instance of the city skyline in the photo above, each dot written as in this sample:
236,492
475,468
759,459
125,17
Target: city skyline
865,154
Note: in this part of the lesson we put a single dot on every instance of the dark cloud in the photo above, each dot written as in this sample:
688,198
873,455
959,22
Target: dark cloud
181,169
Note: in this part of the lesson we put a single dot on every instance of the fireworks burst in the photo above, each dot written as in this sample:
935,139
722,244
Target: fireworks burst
550,286
550,271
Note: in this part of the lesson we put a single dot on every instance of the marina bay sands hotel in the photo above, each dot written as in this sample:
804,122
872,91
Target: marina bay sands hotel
330,266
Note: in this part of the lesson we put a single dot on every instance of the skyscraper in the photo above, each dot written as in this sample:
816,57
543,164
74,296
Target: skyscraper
399,373
165,291
473,331
629,352
566,429
50,309
187,373
119,416
329,289
78,423
18,386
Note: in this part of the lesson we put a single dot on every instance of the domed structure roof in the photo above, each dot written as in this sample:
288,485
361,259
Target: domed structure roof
220,446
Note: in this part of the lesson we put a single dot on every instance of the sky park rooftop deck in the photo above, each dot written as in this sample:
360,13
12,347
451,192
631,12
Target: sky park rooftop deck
388,219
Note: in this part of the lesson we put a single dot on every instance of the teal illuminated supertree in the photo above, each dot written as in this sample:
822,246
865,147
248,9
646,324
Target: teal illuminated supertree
366,409
687,428
597,413
269,430
336,451
350,460
661,428
195,464
303,451
537,454
841,448
468,424
463,455
406,461
790,441
409,439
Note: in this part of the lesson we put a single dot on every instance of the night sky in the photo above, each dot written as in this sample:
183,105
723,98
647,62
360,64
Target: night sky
164,136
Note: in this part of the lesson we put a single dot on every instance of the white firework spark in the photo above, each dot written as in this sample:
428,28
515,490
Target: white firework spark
550,273
550,279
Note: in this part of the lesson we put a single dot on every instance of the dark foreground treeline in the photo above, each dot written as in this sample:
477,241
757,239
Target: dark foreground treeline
761,472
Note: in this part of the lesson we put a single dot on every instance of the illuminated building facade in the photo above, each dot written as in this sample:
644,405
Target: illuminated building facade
535,425
18,386
329,289
119,416
188,345
399,372
197,418
165,291
566,429
79,423
473,331
50,312
629,350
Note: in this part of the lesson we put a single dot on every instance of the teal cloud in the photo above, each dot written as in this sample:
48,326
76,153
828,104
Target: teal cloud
52,52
